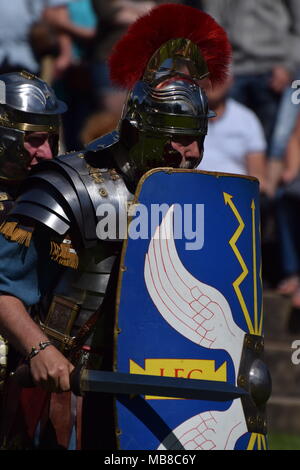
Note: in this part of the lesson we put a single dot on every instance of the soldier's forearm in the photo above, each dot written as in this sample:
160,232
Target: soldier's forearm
49,369
17,326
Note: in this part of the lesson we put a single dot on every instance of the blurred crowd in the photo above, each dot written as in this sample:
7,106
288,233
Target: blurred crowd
257,128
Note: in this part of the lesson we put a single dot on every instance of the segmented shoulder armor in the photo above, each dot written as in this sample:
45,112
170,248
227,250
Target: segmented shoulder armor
65,193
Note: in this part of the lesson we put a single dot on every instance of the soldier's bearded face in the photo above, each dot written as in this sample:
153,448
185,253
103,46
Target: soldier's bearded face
185,152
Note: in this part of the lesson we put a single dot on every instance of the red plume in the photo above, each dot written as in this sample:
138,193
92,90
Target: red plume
132,53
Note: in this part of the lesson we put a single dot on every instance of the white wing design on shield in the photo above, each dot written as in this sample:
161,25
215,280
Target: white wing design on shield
196,310
212,430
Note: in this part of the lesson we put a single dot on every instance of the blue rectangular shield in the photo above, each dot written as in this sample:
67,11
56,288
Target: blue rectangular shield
190,292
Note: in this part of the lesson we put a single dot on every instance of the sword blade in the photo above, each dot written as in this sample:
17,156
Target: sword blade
136,384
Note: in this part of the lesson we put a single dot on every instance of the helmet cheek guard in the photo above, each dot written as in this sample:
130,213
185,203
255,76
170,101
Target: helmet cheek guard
14,158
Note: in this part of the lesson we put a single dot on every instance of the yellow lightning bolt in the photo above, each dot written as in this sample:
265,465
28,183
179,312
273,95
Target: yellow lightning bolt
236,284
257,329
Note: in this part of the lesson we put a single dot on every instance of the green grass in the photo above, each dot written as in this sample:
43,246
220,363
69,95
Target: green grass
283,442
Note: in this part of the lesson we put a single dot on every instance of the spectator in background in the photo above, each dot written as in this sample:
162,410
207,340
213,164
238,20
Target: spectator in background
287,204
99,124
74,83
235,141
265,35
285,124
76,23
17,19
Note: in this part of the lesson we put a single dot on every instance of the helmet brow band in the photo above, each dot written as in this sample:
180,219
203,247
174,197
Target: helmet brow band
23,126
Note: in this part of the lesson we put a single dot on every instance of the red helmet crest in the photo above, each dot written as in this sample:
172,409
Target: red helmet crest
133,52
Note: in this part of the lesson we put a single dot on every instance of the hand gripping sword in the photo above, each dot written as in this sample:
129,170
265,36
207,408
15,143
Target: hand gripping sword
85,380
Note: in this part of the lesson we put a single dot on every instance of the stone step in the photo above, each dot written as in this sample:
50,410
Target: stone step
282,328
283,415
281,322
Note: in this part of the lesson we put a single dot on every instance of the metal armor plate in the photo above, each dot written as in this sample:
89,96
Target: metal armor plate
190,306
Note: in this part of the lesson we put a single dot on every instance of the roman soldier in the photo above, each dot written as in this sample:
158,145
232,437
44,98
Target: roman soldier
29,133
